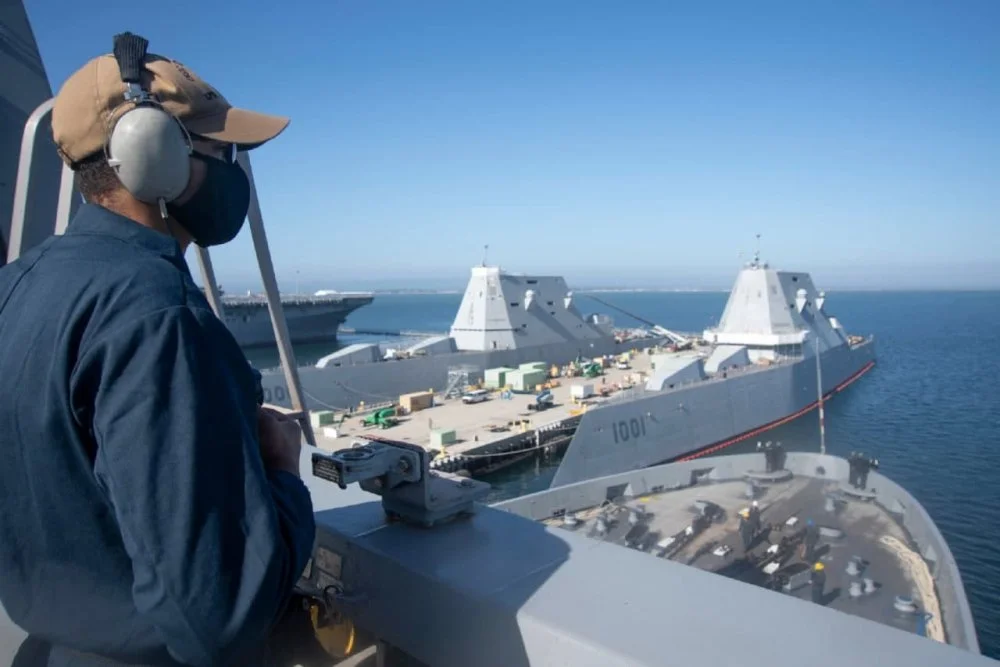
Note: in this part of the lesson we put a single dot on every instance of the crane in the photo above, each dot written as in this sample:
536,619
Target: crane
680,341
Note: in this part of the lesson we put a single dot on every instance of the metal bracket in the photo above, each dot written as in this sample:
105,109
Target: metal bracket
401,474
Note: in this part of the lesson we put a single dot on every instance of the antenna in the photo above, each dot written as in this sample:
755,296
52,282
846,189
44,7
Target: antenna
486,252
756,253
819,390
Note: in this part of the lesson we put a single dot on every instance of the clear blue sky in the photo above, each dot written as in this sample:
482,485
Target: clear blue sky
615,143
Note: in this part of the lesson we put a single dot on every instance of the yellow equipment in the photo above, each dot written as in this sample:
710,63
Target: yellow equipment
337,637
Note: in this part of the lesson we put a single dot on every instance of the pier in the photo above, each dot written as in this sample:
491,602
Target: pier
499,431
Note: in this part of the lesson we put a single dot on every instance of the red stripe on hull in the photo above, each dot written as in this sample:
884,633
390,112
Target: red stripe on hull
711,449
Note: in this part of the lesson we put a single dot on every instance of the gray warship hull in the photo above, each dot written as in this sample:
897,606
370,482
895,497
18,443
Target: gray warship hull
648,428
310,319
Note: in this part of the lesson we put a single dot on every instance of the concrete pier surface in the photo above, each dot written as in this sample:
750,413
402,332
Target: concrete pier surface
477,426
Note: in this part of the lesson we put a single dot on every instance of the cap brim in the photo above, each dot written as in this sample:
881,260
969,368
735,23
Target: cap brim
246,129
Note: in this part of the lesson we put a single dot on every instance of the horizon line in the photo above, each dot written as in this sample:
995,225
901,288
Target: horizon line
418,291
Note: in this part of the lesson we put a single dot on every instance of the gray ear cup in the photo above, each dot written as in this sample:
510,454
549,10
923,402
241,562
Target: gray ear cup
150,152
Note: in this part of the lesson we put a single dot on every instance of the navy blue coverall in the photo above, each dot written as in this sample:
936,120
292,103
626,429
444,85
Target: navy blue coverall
137,521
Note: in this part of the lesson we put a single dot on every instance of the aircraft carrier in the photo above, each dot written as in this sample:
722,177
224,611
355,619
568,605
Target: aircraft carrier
311,318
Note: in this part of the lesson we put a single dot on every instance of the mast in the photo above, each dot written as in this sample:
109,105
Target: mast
819,391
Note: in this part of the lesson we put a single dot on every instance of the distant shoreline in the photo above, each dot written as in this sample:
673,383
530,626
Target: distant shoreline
679,290
636,290
580,290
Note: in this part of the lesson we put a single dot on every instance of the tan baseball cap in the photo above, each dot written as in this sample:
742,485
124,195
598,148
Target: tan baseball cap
86,102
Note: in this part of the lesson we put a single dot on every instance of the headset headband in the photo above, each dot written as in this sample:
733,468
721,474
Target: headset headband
148,147
130,52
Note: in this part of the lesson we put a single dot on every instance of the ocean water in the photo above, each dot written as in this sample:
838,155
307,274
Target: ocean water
929,410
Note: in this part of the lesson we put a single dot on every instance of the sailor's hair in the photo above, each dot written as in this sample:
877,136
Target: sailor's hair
95,178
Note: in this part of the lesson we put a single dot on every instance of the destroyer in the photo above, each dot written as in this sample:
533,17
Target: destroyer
775,346
504,320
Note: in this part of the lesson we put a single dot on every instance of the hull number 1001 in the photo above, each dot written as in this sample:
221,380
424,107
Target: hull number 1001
629,429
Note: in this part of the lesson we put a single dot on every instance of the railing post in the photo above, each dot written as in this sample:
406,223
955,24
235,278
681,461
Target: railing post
208,278
274,305
23,182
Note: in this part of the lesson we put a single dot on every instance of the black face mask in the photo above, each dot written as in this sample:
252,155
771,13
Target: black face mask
216,212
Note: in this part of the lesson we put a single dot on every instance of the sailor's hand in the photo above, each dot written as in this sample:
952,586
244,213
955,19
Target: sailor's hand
280,441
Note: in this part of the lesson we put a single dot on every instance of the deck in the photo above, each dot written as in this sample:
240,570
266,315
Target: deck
856,529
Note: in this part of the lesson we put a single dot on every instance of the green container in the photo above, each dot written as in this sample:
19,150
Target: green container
525,380
533,366
321,418
496,378
440,437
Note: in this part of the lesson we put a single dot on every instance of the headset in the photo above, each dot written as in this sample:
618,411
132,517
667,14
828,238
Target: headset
147,146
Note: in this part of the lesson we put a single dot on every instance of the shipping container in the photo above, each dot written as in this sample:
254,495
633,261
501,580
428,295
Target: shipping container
495,378
320,418
419,400
441,437
526,380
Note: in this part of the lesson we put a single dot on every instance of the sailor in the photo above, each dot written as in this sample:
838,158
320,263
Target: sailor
865,465
817,579
852,473
151,512
810,540
745,530
754,517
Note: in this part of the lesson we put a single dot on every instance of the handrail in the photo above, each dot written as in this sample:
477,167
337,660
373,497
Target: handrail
21,185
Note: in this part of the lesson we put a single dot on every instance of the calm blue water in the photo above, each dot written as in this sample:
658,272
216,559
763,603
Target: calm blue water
930,410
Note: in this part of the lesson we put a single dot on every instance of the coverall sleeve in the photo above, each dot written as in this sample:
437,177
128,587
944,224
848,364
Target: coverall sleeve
216,541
